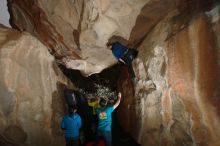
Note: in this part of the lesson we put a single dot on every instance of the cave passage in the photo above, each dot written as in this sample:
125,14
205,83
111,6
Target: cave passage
102,84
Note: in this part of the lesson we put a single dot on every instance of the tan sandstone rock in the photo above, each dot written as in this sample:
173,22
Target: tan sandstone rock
176,99
31,101
181,58
76,31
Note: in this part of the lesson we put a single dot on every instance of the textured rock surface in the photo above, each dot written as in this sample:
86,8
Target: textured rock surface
77,30
176,99
31,102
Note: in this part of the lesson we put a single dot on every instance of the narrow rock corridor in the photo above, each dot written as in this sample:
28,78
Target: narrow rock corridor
170,90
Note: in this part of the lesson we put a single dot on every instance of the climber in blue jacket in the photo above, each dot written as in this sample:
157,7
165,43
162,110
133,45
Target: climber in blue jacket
124,55
71,123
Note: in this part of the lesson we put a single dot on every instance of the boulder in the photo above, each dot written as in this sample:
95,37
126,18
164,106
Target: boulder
77,31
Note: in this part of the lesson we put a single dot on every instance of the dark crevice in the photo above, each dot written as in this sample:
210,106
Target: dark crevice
107,78
76,33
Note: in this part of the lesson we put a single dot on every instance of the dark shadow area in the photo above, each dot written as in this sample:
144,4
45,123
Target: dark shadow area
119,136
86,115
76,33
108,78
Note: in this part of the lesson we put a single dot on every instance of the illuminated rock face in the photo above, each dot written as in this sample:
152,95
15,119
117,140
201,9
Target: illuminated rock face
182,61
31,101
176,99
76,31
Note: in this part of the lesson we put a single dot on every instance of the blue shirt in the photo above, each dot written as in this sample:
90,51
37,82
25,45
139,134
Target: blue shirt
118,50
72,125
104,118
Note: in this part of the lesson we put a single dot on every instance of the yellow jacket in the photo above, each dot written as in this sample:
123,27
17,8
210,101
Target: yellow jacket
94,105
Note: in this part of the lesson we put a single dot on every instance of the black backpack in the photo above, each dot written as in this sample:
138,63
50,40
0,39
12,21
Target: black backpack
70,98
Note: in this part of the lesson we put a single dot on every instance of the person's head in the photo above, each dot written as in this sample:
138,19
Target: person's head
97,98
109,45
103,102
93,99
72,110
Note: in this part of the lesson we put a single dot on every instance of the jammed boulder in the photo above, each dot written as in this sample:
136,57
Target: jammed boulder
31,102
76,31
176,98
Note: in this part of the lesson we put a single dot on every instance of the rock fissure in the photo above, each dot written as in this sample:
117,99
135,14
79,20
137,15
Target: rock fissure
174,100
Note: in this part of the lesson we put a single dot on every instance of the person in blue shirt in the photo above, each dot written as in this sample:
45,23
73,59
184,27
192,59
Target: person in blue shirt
71,123
105,119
124,55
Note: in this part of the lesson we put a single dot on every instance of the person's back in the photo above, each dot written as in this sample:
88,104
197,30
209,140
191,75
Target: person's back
71,123
105,119
125,56
118,50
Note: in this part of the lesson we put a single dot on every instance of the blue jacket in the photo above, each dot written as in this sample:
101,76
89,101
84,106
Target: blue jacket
118,50
71,125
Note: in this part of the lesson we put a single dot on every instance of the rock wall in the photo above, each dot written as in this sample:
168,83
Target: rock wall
31,84
76,31
176,98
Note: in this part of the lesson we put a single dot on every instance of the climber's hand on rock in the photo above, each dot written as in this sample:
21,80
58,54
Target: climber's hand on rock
119,95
